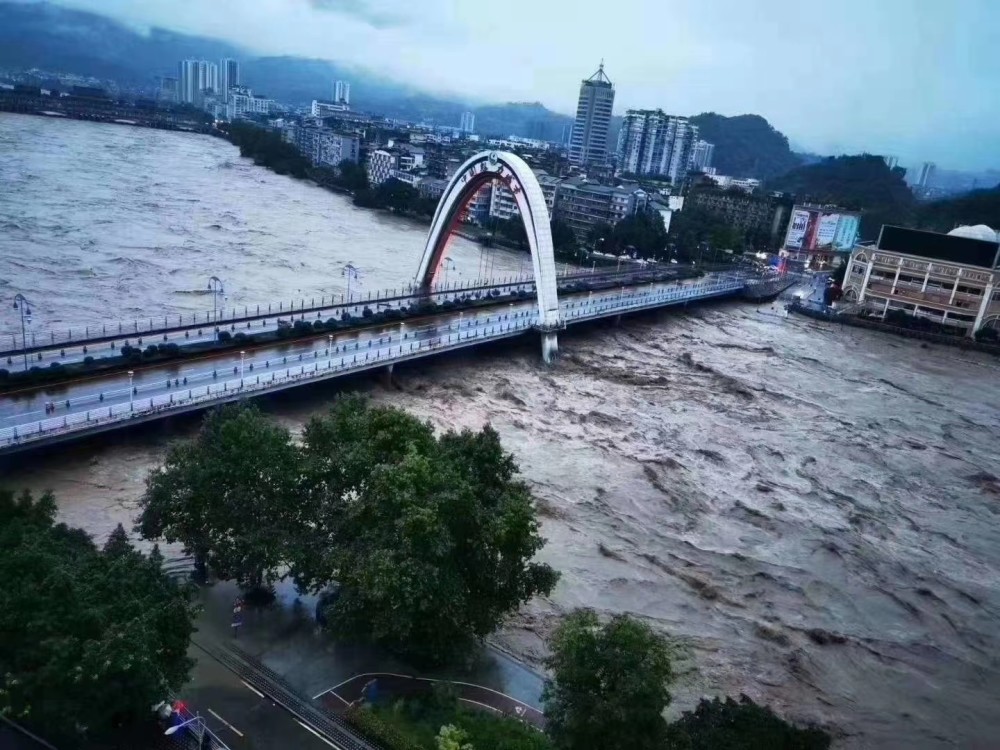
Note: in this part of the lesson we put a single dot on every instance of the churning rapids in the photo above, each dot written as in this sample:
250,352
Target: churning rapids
812,513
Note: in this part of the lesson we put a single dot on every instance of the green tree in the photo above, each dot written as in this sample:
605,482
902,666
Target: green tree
452,738
599,236
91,639
642,233
352,175
563,239
431,540
728,725
609,684
228,496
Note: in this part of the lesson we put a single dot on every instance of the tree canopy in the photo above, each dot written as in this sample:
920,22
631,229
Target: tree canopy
91,639
746,145
267,148
228,495
430,539
642,234
609,684
975,207
730,725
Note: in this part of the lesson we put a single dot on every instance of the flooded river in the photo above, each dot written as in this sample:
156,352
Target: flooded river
812,513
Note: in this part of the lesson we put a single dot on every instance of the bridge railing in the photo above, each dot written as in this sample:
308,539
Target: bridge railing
12,343
407,344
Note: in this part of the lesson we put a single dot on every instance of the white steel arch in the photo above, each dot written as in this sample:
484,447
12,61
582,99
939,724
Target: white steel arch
513,172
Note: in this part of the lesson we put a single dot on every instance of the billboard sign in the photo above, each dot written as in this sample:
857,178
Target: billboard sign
797,226
811,228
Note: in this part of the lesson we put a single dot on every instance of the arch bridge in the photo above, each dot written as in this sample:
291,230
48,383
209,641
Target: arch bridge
516,175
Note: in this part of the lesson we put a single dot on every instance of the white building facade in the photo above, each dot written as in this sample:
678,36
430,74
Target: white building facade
652,143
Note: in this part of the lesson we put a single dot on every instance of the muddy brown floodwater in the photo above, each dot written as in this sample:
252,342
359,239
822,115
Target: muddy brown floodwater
812,513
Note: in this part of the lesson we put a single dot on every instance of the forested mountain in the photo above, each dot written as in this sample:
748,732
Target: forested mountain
746,145
56,39
862,182
53,38
976,207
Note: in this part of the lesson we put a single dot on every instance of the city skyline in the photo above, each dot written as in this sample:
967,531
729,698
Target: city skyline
879,78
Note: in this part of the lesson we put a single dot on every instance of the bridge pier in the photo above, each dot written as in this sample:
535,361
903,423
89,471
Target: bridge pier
550,346
387,376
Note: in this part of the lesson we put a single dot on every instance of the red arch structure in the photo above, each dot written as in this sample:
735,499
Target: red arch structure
512,171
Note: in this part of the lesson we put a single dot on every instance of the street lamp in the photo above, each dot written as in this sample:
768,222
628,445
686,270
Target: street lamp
131,405
351,272
216,288
448,263
243,361
21,303
176,727
329,343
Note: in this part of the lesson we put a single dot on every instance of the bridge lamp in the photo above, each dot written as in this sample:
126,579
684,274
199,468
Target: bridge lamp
21,303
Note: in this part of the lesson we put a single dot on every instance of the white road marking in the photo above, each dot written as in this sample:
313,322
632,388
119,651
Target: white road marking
252,689
321,737
225,722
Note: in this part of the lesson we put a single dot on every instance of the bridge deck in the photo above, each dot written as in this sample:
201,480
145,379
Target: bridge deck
104,406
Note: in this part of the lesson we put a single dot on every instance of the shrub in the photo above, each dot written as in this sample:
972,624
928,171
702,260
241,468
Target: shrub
225,337
172,350
240,338
374,729
319,325
345,316
151,351
88,361
367,313
300,327
4,375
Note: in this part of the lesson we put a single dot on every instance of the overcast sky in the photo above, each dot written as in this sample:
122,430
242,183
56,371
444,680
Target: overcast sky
915,78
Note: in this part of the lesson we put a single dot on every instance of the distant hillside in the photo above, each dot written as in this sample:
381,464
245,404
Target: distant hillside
53,38
859,182
746,145
41,35
976,207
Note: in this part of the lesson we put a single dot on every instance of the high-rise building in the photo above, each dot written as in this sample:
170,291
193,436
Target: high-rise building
589,141
701,156
196,77
468,122
656,144
229,75
342,92
188,81
926,174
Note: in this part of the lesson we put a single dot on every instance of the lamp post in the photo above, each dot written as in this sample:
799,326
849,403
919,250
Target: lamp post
448,264
216,288
21,303
131,404
329,343
243,361
351,272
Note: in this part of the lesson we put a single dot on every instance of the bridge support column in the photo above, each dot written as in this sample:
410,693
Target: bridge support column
550,346
387,376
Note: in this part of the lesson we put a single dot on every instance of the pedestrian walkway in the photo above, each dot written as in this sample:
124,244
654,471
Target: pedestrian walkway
285,638
392,686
